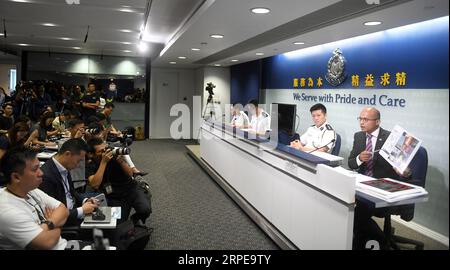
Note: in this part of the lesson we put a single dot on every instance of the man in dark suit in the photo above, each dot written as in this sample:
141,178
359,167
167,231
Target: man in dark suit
57,181
364,158
368,161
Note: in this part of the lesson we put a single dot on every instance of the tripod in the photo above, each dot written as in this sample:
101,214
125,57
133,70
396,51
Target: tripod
210,103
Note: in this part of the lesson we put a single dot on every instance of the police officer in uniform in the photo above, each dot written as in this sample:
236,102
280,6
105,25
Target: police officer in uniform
260,121
320,136
240,119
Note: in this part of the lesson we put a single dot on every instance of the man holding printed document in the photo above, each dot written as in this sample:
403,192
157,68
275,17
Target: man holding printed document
365,158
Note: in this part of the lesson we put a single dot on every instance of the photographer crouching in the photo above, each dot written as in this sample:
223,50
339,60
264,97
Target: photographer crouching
108,172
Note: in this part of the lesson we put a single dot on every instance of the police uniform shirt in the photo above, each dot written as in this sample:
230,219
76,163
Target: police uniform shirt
316,137
240,120
260,123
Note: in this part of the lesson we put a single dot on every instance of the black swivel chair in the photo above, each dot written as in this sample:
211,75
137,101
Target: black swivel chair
418,166
337,146
285,138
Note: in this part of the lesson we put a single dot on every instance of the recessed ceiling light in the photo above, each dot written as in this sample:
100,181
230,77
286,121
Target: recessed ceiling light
66,38
195,49
21,1
373,23
126,51
216,36
259,53
172,63
260,10
182,57
76,48
217,65
49,24
1,34
234,60
126,43
126,6
126,10
142,46
299,43
23,44
126,31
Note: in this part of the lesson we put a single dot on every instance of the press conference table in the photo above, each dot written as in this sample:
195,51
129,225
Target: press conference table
292,195
302,201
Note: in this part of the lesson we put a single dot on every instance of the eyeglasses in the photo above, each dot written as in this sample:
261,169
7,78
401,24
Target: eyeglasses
365,120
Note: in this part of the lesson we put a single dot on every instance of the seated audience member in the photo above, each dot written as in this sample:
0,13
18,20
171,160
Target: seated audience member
260,119
96,129
7,118
240,118
76,128
107,112
59,123
112,176
18,136
29,218
41,133
318,137
57,181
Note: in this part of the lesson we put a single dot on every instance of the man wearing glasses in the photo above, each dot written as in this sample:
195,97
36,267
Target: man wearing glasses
365,158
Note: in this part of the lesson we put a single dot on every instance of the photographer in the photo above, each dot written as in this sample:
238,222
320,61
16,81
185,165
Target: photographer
76,128
23,100
111,175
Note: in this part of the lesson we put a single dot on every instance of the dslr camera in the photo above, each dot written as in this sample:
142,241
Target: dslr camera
92,131
119,151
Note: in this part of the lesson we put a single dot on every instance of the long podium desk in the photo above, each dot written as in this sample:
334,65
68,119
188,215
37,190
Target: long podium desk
297,198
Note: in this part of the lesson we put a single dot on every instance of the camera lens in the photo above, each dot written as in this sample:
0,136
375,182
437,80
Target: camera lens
121,151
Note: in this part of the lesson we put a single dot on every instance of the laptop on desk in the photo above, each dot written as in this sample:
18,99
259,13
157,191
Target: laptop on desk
92,219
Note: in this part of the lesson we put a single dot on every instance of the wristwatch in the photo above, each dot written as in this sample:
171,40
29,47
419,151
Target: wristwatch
50,224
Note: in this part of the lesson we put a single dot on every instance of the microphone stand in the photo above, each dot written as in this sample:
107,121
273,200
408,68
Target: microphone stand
317,148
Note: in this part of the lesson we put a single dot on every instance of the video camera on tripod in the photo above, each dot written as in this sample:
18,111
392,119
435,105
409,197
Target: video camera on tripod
209,87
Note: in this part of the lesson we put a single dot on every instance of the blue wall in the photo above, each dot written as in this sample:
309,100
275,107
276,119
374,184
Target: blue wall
421,50
245,82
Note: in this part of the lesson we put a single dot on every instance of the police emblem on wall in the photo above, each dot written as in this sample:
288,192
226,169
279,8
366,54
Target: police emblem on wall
336,68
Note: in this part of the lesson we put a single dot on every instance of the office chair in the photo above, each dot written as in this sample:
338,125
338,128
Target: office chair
337,146
285,138
418,166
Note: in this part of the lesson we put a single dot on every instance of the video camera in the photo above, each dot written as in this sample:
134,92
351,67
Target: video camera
209,87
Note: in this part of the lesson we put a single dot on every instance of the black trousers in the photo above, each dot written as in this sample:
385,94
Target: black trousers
134,198
365,228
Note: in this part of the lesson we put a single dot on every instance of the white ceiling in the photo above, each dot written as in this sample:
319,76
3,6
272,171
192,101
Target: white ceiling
175,26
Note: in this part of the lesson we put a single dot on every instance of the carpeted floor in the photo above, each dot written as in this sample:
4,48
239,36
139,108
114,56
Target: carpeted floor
190,211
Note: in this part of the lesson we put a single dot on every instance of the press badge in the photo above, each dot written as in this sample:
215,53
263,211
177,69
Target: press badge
108,188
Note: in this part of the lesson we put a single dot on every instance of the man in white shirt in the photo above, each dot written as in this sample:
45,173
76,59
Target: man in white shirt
260,120
240,118
29,218
319,137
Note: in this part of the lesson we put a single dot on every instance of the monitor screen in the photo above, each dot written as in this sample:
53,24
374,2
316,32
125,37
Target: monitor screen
286,115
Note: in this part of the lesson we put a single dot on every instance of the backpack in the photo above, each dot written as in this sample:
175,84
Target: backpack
128,236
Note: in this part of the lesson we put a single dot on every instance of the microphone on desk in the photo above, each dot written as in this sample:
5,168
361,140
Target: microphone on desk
317,148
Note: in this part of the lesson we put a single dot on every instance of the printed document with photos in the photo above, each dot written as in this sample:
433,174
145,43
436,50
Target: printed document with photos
390,190
400,148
